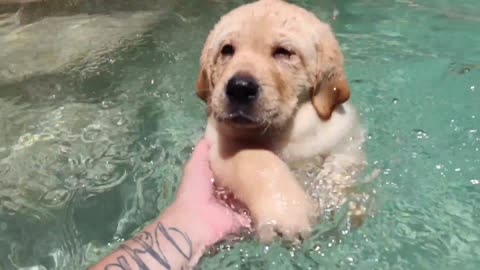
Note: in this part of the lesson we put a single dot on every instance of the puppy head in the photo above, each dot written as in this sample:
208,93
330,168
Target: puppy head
263,60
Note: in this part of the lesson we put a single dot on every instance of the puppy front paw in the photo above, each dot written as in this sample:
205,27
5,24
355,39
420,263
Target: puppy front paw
287,217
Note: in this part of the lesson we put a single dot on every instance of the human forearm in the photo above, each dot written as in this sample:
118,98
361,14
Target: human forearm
177,239
173,241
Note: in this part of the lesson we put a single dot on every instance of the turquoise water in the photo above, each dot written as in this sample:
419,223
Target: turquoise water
91,153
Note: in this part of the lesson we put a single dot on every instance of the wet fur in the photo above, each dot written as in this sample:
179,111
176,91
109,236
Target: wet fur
303,112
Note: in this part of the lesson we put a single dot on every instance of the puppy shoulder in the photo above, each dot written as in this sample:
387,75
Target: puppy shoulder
312,136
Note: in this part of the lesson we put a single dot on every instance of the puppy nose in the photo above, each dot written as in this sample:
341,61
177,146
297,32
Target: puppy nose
242,89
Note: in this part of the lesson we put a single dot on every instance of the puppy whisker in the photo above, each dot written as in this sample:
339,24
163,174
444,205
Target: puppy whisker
267,126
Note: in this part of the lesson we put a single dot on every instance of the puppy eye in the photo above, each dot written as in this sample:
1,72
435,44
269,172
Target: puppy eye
228,50
281,52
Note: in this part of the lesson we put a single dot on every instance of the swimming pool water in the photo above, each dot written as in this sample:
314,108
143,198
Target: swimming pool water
90,154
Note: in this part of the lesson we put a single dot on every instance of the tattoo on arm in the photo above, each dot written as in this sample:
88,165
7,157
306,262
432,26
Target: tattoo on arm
148,246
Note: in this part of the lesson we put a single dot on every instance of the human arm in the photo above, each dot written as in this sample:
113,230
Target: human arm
179,236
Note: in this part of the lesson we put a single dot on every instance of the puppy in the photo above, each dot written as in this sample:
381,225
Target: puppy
272,76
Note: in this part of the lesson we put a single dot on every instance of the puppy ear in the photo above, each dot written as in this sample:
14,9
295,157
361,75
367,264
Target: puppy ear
203,85
329,92
331,87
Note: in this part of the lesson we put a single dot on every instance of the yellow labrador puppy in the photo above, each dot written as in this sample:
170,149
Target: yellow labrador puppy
272,76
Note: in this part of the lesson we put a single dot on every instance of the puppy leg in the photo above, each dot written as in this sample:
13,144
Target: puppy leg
277,202
348,160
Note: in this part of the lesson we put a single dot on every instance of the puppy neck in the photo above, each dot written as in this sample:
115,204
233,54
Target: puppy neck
304,136
230,140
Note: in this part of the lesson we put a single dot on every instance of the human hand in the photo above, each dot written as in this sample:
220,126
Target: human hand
196,192
179,236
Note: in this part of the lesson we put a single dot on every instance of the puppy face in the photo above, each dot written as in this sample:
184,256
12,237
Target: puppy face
262,60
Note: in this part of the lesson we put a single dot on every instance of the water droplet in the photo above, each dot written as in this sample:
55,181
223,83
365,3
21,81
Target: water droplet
106,104
472,87
120,122
475,181
421,134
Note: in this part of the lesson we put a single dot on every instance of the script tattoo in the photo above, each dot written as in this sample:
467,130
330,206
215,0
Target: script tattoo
148,246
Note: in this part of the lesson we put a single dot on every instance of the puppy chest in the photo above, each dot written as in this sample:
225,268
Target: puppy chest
323,181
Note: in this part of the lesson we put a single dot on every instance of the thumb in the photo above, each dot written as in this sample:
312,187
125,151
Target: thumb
197,175
200,152
198,164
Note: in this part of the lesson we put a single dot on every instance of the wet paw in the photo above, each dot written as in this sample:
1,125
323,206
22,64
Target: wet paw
287,219
268,233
